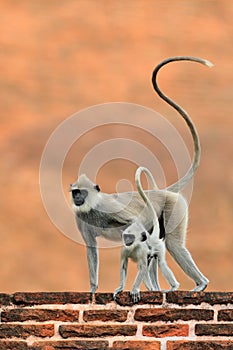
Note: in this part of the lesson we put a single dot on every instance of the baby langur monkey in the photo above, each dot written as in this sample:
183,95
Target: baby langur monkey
142,246
136,246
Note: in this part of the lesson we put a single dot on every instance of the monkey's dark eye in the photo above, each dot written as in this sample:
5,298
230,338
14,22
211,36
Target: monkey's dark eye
144,236
97,188
75,192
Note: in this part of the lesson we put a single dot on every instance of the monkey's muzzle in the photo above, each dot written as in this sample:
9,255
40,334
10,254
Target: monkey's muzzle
128,239
79,196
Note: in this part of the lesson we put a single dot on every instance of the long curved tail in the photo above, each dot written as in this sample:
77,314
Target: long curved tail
141,191
176,187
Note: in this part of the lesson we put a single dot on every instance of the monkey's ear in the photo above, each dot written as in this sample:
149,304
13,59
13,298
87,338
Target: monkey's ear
97,188
143,236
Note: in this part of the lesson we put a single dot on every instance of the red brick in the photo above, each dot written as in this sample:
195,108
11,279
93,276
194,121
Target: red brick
13,345
171,330
88,331
70,344
225,315
39,298
39,315
214,329
199,345
5,299
187,298
105,315
152,315
213,298
9,330
136,345
183,297
125,299
103,298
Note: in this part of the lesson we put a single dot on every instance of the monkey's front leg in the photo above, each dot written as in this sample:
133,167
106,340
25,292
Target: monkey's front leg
93,265
142,275
153,273
123,273
89,237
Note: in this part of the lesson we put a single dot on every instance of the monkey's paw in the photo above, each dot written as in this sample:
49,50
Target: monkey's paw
172,289
116,292
200,287
135,295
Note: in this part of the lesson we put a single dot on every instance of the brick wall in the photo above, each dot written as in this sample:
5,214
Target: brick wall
67,320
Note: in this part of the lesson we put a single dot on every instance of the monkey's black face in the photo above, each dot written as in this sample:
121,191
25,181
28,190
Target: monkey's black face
79,196
128,239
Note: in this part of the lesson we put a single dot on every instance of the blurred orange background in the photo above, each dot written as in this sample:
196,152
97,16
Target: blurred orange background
58,57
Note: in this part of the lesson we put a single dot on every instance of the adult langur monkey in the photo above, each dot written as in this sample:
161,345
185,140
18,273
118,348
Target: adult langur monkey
143,246
101,214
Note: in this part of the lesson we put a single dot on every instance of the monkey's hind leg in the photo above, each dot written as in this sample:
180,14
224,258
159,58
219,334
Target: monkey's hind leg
166,271
184,259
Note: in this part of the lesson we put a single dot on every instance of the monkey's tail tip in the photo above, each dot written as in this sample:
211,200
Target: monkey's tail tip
208,63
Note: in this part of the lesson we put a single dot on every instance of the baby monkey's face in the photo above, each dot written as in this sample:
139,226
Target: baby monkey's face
134,234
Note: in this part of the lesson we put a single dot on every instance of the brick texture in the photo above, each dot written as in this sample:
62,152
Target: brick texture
225,315
214,329
50,298
8,330
136,345
39,315
70,345
14,345
169,315
4,299
200,345
67,331
68,320
124,299
166,331
187,298
105,315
